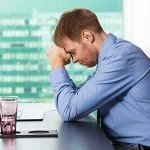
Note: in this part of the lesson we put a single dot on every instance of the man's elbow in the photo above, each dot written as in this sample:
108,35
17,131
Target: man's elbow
68,116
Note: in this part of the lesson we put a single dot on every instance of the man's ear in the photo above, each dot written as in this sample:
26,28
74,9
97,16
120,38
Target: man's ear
87,36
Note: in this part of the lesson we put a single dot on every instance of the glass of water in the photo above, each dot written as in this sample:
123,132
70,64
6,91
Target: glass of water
8,114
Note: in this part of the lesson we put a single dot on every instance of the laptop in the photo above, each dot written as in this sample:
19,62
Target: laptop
31,117
33,111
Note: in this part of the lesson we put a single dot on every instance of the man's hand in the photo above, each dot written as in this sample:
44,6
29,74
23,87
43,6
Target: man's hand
58,57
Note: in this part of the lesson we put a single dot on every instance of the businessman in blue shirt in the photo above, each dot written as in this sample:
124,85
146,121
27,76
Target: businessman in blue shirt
119,87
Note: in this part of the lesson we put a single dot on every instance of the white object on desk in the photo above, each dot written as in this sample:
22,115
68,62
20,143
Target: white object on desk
35,111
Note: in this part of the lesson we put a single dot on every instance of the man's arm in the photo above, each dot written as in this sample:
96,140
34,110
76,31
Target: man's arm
110,80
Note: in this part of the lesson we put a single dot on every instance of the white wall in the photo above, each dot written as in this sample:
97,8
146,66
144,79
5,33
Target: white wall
137,23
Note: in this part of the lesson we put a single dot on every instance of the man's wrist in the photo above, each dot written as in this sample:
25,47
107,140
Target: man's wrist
56,65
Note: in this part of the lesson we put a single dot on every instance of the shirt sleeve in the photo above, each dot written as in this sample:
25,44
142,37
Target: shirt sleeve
112,78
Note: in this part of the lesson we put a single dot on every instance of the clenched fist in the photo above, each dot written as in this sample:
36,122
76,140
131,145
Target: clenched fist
58,57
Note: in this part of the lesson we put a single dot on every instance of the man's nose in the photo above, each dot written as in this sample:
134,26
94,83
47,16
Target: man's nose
74,59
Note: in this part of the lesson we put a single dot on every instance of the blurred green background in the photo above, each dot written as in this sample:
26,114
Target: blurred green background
26,29
23,6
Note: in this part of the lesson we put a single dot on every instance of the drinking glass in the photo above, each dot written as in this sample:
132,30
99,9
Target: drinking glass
8,114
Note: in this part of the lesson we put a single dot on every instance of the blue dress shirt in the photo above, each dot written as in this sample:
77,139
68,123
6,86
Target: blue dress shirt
119,88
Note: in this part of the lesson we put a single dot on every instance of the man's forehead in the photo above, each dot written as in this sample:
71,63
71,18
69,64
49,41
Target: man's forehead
66,40
68,44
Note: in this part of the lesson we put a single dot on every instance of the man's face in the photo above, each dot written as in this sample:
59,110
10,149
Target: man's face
83,52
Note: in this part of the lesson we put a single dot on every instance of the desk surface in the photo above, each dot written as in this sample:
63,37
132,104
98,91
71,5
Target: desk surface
84,134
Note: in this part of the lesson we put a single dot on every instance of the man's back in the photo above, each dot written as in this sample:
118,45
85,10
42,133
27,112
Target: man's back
128,119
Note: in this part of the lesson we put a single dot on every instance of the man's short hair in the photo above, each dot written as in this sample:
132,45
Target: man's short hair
72,23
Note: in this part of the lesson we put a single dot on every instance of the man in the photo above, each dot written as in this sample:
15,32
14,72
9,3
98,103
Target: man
119,88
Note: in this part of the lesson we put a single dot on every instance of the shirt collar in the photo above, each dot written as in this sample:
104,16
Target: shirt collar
109,41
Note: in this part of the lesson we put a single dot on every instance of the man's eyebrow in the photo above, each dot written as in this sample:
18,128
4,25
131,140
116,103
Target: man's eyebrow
70,50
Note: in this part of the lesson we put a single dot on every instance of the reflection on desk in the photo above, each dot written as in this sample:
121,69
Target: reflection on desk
84,134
